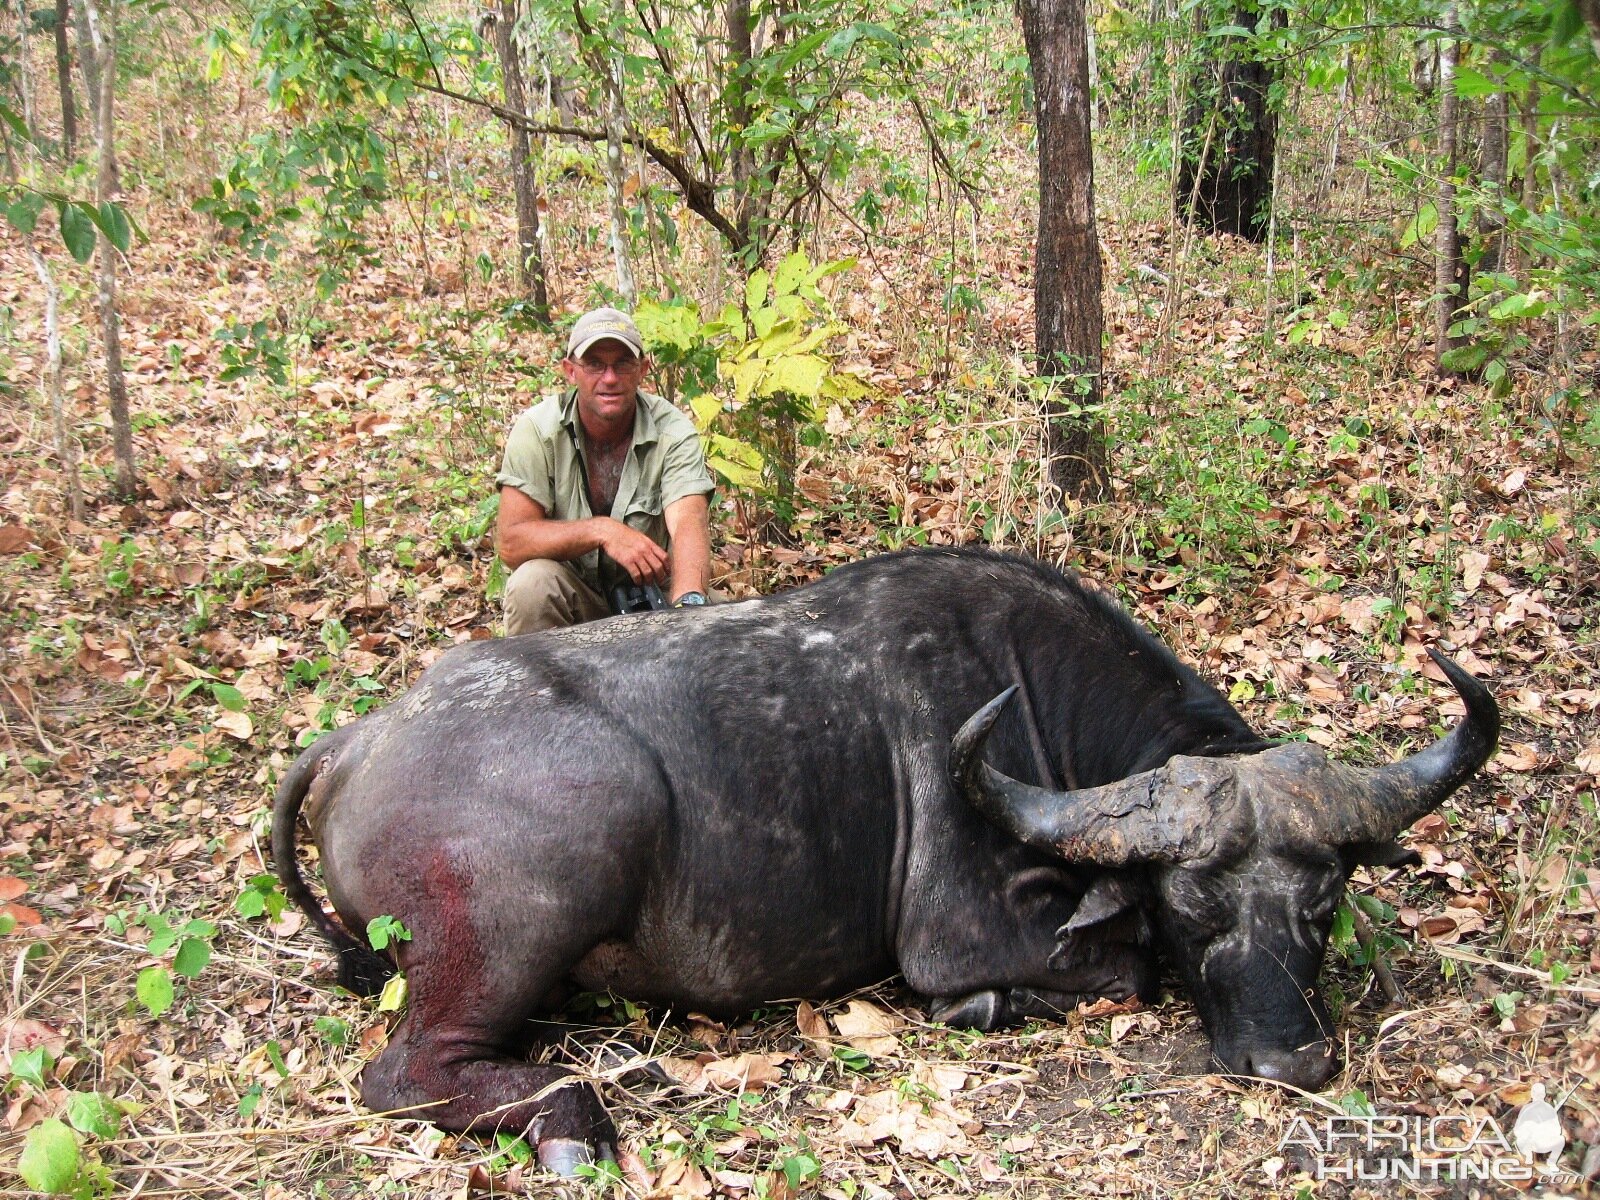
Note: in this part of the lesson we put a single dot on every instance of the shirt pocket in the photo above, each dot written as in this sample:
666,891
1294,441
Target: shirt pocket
645,504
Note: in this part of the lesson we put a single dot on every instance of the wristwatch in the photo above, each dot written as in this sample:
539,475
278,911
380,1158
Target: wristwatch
689,600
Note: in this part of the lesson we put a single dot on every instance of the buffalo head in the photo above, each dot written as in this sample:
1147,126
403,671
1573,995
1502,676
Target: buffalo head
1243,862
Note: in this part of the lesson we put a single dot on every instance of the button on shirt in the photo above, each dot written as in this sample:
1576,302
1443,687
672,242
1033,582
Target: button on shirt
664,464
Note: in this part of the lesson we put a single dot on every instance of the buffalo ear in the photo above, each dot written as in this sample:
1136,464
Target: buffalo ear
1107,897
1380,854
1112,900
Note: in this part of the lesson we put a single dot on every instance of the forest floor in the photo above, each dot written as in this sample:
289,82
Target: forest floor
1300,507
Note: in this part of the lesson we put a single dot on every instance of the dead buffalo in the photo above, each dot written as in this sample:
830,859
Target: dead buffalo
956,766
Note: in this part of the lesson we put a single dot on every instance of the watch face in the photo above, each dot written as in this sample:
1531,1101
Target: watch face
691,598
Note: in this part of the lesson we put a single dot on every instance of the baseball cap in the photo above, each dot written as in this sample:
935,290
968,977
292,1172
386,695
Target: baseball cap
604,324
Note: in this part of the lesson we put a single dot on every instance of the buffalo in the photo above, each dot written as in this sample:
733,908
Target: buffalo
957,766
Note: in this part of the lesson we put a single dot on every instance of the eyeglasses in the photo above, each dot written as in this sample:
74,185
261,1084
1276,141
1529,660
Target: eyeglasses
623,366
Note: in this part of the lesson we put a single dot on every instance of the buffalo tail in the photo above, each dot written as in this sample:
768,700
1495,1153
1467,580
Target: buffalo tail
361,969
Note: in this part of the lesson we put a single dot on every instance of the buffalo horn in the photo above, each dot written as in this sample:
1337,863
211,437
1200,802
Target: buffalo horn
1391,797
1169,814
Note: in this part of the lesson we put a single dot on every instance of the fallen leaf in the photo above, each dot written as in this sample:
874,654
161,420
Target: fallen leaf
932,1131
1587,760
14,539
1473,564
1519,756
25,917
868,1028
810,1022
741,1073
682,1177
236,725
11,887
24,1033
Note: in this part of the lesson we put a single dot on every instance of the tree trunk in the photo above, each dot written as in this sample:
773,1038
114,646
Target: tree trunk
87,64
103,33
1450,277
66,448
1224,178
1066,280
69,109
530,247
25,72
1590,11
1514,255
742,160
1495,149
616,181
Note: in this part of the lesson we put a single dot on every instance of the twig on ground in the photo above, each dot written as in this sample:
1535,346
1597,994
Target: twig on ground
1380,965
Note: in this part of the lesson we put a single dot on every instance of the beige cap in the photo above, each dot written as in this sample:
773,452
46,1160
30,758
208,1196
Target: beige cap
604,324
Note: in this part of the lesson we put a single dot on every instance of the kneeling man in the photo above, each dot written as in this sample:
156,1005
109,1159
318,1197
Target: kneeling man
601,486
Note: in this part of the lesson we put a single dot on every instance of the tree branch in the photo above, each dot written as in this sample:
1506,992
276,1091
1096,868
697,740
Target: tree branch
698,195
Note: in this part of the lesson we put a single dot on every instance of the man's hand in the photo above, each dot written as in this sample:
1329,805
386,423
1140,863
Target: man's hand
643,560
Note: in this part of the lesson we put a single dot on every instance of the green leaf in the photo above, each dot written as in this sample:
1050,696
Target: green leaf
1465,358
250,1101
31,1066
1355,1103
735,473
193,955
333,1030
1470,83
706,408
77,230
275,1057
162,935
18,125
1521,304
393,998
90,1112
50,1158
385,929
755,290
1422,225
794,375
230,697
113,222
154,989
852,1059
746,376
1343,933
261,896
23,212
791,274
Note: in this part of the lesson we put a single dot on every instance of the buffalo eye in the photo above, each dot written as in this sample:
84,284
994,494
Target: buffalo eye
1319,905
1200,902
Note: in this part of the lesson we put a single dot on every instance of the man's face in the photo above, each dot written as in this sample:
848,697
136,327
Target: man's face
607,379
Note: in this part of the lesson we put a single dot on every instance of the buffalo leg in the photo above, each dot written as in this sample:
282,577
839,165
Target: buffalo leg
455,1058
476,1088
996,1008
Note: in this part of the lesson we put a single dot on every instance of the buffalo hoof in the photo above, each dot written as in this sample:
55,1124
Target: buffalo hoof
563,1156
984,1011
632,1068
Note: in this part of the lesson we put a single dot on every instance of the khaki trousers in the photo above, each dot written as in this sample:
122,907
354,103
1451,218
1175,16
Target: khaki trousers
545,594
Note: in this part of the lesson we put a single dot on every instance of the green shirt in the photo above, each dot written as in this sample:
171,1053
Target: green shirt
665,463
